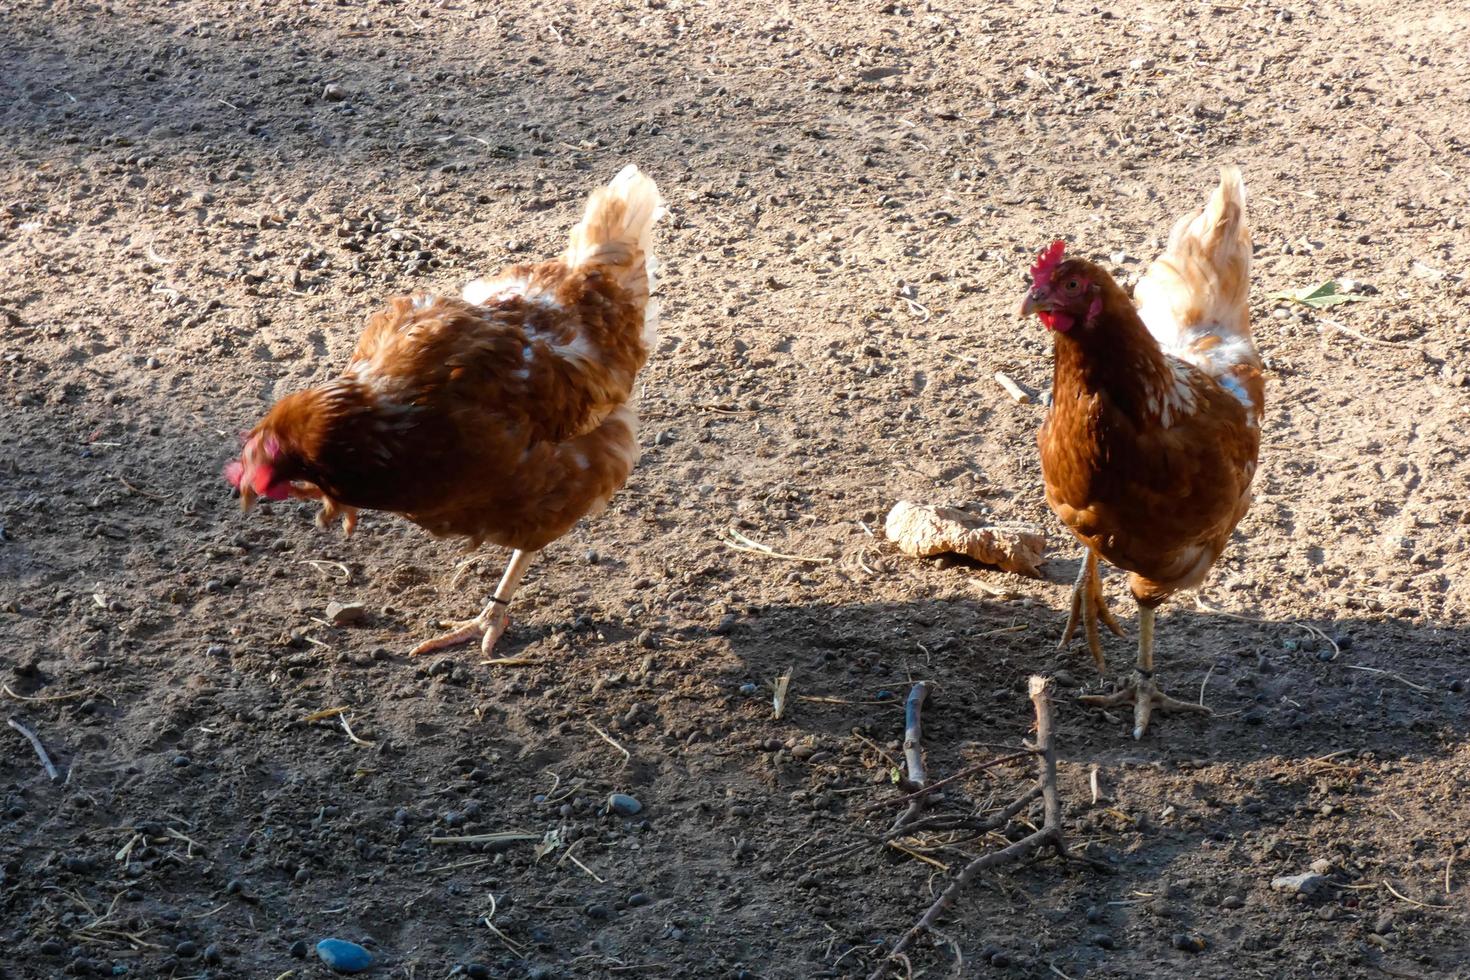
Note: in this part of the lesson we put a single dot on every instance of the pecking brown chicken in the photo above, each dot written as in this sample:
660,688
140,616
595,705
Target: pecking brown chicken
502,416
1155,425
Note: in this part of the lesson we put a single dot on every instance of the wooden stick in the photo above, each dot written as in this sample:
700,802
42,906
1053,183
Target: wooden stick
1021,395
913,752
913,735
40,749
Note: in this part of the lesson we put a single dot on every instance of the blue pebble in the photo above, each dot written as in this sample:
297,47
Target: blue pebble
885,696
623,805
749,689
344,957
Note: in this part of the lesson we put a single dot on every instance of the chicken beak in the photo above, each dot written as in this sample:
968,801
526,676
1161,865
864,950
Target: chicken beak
1029,305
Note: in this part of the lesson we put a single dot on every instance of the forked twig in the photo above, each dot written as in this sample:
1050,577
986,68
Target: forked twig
1049,836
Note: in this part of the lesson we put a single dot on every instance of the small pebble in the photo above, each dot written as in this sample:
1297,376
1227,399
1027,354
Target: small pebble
212,954
1103,940
1188,943
334,92
637,900
1302,884
51,948
344,957
298,949
1232,902
345,613
1094,914
596,911
186,950
181,761
477,971
749,689
623,805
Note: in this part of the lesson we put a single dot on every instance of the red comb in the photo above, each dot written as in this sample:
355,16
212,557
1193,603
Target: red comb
1047,261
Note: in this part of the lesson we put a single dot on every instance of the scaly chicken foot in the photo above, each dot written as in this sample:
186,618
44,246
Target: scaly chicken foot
1089,605
1143,692
493,620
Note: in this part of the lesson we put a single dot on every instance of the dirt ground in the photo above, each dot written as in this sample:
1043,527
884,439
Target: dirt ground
201,201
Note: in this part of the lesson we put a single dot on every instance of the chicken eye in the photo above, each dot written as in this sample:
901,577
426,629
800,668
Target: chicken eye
1072,285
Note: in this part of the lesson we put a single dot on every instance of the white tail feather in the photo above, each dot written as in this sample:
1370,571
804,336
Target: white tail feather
617,231
1195,298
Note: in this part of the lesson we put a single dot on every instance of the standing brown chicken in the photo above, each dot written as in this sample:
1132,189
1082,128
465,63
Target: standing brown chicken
1151,443
501,417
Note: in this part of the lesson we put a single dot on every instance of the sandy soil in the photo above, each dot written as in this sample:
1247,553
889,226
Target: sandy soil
201,201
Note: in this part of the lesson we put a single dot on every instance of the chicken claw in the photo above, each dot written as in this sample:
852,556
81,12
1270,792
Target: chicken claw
1089,605
491,624
1143,692
1145,696
331,510
487,627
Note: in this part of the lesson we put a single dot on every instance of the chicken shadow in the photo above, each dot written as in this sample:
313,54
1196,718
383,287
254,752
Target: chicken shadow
1314,721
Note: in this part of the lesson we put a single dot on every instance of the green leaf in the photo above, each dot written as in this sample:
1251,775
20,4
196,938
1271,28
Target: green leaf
1320,296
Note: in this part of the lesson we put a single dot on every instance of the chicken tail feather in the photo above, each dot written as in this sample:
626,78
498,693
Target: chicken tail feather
1195,298
617,232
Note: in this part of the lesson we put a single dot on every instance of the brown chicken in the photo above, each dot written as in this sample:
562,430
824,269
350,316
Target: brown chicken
500,417
1151,443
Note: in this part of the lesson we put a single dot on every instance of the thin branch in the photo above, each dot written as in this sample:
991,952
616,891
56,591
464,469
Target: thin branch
913,752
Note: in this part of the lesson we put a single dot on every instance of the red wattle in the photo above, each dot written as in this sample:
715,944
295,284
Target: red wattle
1055,320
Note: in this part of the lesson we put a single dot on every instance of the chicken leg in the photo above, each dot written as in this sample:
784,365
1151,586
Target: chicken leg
493,619
1089,605
1143,692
